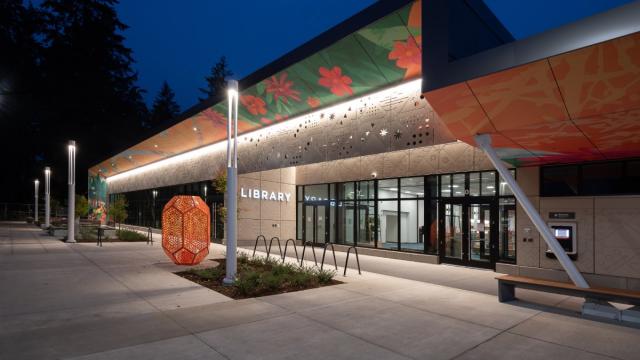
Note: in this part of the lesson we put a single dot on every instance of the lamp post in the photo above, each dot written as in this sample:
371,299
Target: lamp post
232,184
36,184
47,207
154,194
71,214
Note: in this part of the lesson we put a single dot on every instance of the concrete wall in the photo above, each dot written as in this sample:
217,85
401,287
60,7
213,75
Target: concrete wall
267,217
608,236
436,159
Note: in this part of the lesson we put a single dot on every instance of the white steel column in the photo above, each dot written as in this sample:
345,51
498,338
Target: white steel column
47,207
484,141
71,214
36,184
232,182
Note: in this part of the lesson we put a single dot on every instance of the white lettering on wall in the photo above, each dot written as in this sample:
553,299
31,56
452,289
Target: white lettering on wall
265,195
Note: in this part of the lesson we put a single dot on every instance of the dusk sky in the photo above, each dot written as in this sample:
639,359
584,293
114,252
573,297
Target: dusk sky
179,41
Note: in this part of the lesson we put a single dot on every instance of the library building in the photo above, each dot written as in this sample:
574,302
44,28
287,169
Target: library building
422,130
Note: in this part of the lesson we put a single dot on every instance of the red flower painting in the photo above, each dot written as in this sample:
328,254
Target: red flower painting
313,102
408,56
253,104
281,88
214,116
335,81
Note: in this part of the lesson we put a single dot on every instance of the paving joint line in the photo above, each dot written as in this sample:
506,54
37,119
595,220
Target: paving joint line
148,302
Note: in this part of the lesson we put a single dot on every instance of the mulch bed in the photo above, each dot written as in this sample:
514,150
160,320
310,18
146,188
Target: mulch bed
233,291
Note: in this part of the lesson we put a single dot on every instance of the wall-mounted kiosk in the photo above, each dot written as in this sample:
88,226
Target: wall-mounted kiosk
566,234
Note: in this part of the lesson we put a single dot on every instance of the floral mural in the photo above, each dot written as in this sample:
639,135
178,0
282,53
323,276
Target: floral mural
385,52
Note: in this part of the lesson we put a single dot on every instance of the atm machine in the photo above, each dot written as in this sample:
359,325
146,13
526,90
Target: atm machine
567,236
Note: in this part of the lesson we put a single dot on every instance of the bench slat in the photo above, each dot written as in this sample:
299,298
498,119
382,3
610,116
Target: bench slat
621,293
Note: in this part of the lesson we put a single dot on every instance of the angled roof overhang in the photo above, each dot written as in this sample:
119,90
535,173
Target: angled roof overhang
374,49
567,95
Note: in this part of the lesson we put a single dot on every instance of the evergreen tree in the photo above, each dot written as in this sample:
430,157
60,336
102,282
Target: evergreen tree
217,80
19,80
164,107
89,92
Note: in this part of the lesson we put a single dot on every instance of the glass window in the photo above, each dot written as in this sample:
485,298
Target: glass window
412,225
388,224
388,189
412,187
603,178
316,192
332,192
474,184
507,236
346,191
346,222
366,217
445,185
559,181
457,184
504,188
366,189
488,183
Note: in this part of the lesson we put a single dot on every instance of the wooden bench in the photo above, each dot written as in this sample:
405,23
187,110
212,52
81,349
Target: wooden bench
508,283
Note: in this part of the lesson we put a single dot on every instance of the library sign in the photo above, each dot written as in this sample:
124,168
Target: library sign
265,195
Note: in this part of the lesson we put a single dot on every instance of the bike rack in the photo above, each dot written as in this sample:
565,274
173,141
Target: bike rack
304,247
271,242
285,249
149,236
99,240
256,245
347,260
324,252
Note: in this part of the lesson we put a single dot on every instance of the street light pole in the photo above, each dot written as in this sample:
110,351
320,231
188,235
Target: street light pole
36,184
232,182
71,214
154,193
47,207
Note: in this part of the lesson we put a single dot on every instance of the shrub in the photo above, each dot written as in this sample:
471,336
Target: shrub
209,273
128,235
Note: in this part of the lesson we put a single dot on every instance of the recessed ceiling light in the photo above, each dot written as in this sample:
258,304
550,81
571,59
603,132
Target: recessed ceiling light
195,128
155,145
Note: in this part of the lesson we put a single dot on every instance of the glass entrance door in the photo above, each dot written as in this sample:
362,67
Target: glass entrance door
316,224
466,235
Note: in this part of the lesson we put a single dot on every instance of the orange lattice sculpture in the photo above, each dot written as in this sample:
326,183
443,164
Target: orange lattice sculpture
185,229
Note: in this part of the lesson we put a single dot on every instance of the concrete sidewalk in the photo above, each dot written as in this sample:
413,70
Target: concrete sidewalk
122,302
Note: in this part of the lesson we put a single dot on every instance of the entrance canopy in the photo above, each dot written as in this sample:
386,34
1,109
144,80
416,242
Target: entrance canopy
581,105
567,95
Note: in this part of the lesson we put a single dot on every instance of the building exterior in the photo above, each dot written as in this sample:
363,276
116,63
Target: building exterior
365,136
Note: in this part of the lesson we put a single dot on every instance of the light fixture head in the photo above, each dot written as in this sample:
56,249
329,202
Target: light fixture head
36,181
72,145
47,170
232,88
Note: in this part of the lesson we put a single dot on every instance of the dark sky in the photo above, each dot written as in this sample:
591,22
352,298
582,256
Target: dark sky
179,40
